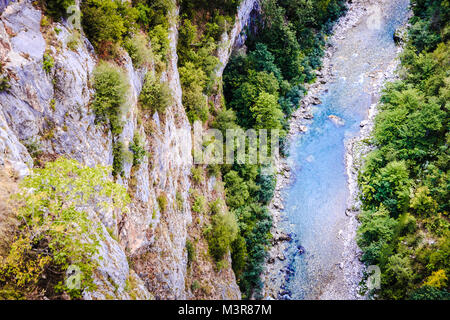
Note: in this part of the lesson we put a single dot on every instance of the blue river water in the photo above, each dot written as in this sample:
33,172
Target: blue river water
315,202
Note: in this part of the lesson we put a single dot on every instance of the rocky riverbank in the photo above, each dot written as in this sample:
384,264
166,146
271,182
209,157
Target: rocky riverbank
277,270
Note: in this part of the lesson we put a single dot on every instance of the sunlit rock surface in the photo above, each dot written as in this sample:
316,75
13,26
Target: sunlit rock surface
52,110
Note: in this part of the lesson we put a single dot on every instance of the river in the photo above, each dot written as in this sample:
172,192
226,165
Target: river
315,201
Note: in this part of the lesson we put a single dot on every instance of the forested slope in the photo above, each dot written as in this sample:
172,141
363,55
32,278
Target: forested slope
97,166
262,86
405,180
107,88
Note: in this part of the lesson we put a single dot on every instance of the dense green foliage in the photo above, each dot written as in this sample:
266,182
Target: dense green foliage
113,23
221,234
405,181
197,65
107,23
111,87
294,33
57,8
48,62
262,88
203,23
252,89
138,149
222,231
193,81
191,7
54,232
152,12
138,49
153,19
190,248
118,159
155,96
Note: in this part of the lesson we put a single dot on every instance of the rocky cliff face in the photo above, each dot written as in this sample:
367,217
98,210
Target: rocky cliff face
247,13
144,253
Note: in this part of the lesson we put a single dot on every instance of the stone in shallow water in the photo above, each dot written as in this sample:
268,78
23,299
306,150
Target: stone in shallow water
301,249
336,120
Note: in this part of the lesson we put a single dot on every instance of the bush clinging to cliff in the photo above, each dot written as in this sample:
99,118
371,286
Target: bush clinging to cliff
155,96
111,87
55,232
139,50
107,22
57,8
221,234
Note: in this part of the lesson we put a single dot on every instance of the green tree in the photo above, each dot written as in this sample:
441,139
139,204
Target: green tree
193,80
111,89
398,276
55,229
430,293
236,190
107,22
377,229
57,8
390,187
266,112
155,96
423,203
139,50
238,255
221,234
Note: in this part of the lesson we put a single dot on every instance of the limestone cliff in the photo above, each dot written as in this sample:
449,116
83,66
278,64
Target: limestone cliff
144,251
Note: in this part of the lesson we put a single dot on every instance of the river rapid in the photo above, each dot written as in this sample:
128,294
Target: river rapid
315,255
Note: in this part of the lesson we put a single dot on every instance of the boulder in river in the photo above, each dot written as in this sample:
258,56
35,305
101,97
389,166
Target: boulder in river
301,249
336,120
